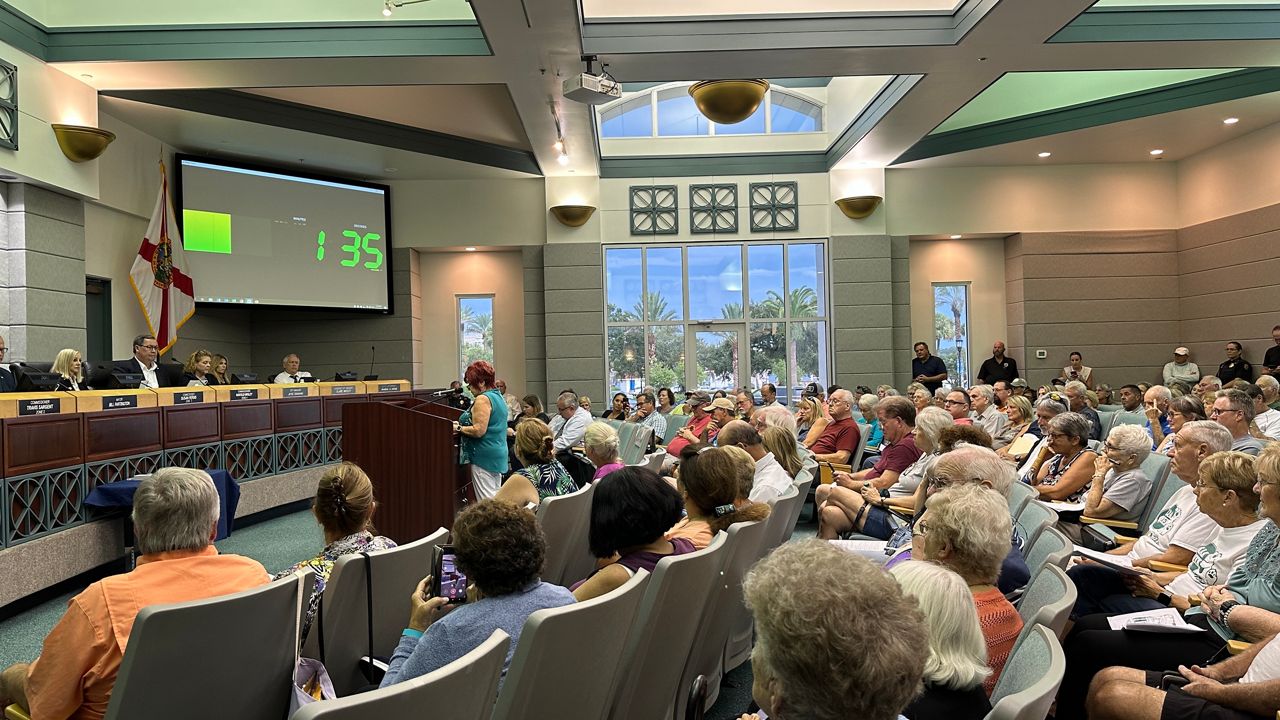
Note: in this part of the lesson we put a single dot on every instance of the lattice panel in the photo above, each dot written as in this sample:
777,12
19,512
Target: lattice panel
109,471
8,106
713,209
775,207
654,210
38,504
195,456
66,497
299,450
249,458
333,444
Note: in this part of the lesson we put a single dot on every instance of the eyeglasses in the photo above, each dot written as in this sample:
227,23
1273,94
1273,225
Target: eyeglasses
936,482
1207,486
955,402
919,530
1054,436
1108,446
1218,411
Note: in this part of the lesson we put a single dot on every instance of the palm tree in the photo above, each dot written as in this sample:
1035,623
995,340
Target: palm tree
484,328
653,308
955,298
466,319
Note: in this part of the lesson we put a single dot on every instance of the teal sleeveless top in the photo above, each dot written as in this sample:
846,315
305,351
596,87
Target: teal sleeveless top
488,452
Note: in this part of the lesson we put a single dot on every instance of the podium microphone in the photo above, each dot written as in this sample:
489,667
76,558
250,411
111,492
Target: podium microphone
373,351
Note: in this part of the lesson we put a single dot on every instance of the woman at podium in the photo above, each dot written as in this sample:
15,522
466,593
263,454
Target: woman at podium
483,428
69,367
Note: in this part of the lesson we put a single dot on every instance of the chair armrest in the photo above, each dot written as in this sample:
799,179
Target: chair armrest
827,471
14,712
1109,522
1158,566
901,512
1235,647
1122,539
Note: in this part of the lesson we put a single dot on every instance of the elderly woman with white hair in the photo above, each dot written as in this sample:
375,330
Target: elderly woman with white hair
813,663
966,528
1119,488
1066,463
601,445
957,662
774,416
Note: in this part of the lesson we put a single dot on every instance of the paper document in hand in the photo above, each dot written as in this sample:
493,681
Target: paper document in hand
860,546
1061,507
1022,445
1119,563
1164,620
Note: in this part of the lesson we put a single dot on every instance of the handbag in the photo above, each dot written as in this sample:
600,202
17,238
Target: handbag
310,678
373,667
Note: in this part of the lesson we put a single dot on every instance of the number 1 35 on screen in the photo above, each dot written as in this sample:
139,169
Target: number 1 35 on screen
359,243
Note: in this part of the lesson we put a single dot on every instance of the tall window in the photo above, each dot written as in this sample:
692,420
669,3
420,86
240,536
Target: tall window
717,316
669,111
475,330
951,330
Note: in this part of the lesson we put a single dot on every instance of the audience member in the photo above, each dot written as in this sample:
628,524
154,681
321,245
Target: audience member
666,401
1104,394
953,436
957,403
810,421
745,403
966,528
782,444
711,482
1235,366
1018,410
1078,403
1066,462
1182,410
584,402
775,416
1155,404
985,413
997,368
501,549
143,362
921,398
483,429
531,407
771,480
221,370
570,422
840,438
620,409
1271,359
1270,391
542,475
957,661
647,415
1002,390
1131,398
813,661
1208,385
175,518
926,369
631,510
601,445
68,366
875,435
1233,410
344,507
1181,369
1046,408
197,370
700,430
291,373
1266,422
1225,493
769,394
1119,488
1077,371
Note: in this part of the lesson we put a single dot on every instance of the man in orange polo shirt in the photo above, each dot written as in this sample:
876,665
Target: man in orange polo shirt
175,516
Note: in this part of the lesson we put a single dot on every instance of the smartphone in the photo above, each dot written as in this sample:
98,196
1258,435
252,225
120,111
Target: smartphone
447,581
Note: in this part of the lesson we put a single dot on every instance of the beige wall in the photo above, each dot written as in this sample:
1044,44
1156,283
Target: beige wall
448,274
1231,178
457,213
972,261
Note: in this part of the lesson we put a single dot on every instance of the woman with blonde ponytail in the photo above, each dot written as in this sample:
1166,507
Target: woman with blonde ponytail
542,475
344,507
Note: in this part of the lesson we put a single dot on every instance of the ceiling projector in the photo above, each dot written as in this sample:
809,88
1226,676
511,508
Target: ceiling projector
592,89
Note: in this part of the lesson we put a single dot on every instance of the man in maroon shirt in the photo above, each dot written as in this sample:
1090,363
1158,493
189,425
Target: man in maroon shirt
837,508
839,441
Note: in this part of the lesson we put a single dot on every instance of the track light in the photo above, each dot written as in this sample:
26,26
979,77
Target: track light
563,159
559,146
386,8
389,6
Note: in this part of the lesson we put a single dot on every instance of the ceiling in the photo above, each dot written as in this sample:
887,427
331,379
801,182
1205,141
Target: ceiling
965,66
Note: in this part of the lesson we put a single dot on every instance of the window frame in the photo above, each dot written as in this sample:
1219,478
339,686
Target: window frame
962,373
457,324
651,97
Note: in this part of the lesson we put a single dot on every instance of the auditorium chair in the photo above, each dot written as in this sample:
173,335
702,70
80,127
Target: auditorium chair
1034,517
579,562
340,632
1048,600
1020,494
461,690
1051,548
674,423
663,632
564,521
1030,679
585,640
856,461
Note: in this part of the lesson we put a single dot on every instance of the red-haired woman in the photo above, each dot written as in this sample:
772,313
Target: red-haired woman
484,431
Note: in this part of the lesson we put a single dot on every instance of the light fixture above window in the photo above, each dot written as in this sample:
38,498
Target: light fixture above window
390,6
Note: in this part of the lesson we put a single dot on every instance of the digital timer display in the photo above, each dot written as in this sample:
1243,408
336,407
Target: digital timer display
358,247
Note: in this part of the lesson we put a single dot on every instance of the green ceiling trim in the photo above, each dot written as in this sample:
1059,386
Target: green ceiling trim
708,165
871,115
1171,23
295,116
1170,98
203,42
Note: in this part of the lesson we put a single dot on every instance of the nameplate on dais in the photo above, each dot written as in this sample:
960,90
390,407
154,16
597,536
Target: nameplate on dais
116,402
244,394
388,387
294,392
189,397
343,390
40,406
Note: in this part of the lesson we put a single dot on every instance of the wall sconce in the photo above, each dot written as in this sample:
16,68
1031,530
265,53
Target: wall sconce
860,207
573,215
80,143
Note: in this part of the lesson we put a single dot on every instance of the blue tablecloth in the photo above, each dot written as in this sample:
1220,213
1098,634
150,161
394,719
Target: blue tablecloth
120,495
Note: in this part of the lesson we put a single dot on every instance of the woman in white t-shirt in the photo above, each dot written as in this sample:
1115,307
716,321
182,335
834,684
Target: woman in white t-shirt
1224,493
1077,371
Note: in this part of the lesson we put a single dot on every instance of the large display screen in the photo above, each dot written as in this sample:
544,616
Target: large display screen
259,236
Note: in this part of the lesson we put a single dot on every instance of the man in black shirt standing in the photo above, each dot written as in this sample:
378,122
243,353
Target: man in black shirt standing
926,369
1235,367
998,367
1271,361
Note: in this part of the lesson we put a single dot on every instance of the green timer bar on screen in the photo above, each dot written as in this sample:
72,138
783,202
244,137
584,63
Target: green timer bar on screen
210,232
359,243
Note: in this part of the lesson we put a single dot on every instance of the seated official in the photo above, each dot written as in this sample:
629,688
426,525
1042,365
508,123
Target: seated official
69,368
782,444
840,438
713,500
1066,462
198,369
8,383
1119,487
221,370
601,444
868,510
1242,687
291,373
1225,493
1246,607
145,352
957,662
542,475
771,480
344,507
501,549
810,421
1182,410
966,528
631,511
810,662
571,421
175,518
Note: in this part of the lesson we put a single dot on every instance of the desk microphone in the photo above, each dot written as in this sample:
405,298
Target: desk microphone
373,351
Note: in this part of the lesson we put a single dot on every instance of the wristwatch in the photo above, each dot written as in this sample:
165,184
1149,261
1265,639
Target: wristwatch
1165,598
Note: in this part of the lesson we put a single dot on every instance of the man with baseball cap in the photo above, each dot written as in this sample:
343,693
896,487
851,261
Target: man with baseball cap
1181,369
699,429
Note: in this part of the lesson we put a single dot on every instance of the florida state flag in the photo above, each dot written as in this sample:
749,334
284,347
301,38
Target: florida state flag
164,290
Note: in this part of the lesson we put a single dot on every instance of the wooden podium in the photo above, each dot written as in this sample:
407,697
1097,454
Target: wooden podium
409,449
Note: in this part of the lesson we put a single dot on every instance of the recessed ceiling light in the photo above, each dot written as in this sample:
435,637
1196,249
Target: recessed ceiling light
955,237
1157,152
390,169
1045,154
471,249
1231,121
563,159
